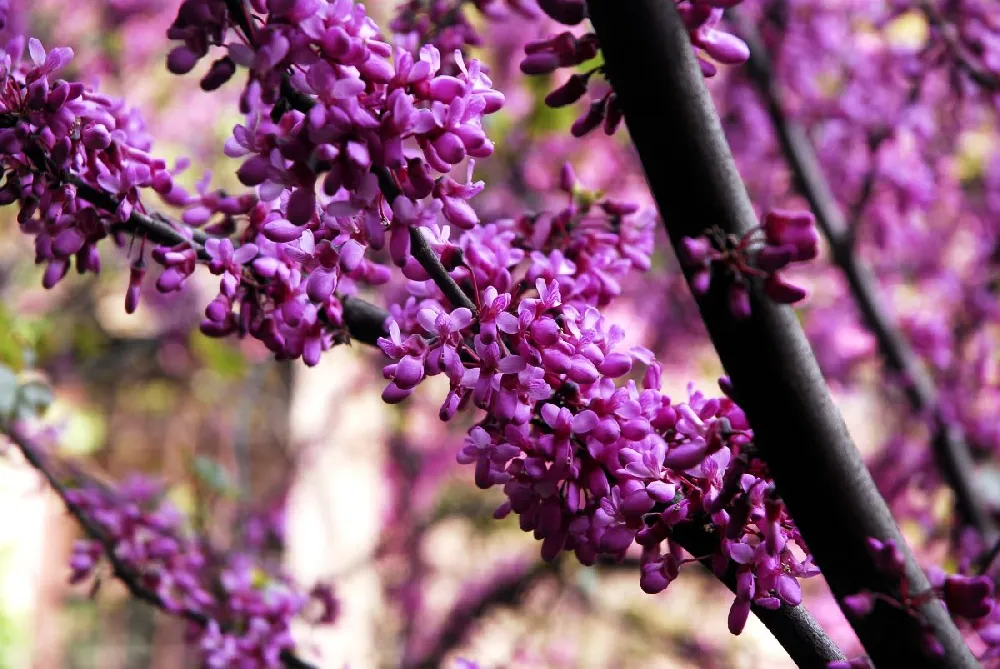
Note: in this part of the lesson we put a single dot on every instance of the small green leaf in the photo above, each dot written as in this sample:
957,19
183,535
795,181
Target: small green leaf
33,398
8,393
219,356
215,476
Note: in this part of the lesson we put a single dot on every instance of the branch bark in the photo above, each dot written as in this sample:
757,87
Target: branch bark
817,469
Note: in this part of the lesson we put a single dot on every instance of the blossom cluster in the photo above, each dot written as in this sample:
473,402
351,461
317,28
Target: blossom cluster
709,41
591,461
78,164
59,143
788,236
968,598
375,129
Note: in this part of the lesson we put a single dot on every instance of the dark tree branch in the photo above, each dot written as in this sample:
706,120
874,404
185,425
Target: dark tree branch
423,252
122,571
238,11
948,443
816,467
154,227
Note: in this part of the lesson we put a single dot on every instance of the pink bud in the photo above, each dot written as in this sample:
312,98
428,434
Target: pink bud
589,120
181,60
301,205
738,614
253,171
781,291
540,63
282,231
739,301
222,70
394,395
574,89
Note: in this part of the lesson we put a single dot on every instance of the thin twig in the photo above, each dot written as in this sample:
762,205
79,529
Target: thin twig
365,322
237,9
505,590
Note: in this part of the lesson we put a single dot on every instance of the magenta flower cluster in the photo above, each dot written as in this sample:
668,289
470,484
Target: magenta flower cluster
57,140
592,462
710,42
969,599
783,237
359,151
78,164
336,177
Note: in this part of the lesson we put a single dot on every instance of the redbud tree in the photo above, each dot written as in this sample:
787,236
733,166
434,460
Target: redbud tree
815,194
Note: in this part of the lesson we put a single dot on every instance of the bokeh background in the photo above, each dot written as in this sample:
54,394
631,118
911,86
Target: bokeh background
345,488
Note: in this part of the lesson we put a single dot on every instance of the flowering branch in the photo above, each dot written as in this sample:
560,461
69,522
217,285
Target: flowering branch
816,468
805,641
948,441
120,569
364,321
423,252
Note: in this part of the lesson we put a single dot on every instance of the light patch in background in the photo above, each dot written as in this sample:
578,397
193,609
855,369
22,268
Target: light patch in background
335,506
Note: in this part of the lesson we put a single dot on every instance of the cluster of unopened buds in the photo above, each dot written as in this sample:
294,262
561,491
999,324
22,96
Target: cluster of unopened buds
968,598
709,41
783,238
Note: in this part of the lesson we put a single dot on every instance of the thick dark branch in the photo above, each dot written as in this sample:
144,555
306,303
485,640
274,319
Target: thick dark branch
122,571
365,321
805,641
816,467
948,443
